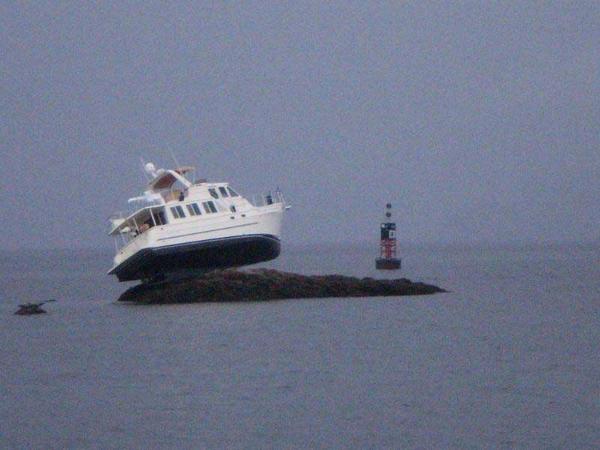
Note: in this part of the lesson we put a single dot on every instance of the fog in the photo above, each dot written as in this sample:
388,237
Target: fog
477,120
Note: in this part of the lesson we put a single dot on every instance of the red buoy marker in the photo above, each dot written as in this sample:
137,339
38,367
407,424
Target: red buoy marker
388,259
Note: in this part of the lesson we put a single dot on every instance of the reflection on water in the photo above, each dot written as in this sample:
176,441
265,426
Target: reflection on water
508,359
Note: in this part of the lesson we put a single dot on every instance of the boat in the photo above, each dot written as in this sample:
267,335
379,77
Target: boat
180,227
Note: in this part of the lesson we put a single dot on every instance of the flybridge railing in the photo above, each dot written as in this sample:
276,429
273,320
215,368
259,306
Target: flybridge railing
115,219
270,198
141,202
135,205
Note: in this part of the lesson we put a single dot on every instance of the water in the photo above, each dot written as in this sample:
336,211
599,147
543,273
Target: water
508,359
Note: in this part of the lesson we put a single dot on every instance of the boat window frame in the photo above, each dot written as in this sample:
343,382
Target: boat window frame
159,216
223,192
194,209
213,193
211,208
232,193
177,212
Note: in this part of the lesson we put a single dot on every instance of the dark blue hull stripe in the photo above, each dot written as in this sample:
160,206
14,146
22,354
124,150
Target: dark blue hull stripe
203,255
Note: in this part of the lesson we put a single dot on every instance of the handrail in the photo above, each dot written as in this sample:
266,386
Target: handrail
271,198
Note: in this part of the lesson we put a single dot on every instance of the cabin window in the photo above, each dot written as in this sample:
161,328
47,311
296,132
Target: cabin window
223,192
232,192
158,217
232,208
209,207
194,209
177,212
213,193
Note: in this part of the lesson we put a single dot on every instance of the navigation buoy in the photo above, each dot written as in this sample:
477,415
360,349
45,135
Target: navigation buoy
387,259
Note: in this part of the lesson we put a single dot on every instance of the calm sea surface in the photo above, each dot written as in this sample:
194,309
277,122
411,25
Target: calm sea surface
509,359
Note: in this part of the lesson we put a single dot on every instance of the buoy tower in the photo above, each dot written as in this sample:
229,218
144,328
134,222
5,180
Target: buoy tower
387,259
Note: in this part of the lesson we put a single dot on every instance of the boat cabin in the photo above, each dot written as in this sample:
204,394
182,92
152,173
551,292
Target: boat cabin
172,198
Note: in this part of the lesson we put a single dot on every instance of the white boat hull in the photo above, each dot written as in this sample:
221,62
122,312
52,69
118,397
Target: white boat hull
225,241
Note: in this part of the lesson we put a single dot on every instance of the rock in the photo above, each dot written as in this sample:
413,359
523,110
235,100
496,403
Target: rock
264,284
31,308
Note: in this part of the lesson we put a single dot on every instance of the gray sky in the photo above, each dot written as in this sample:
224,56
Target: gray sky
478,120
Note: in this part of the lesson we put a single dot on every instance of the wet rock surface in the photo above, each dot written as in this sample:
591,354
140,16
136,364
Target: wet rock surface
264,284
29,309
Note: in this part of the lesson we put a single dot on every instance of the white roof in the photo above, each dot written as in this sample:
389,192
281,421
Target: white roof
165,178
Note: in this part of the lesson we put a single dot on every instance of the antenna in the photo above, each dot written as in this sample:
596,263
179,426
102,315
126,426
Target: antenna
146,174
173,156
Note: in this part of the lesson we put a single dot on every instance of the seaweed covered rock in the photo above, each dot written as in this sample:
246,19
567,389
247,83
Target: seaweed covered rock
264,284
30,309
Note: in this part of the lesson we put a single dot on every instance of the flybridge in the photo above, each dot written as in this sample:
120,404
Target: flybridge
182,225
164,179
